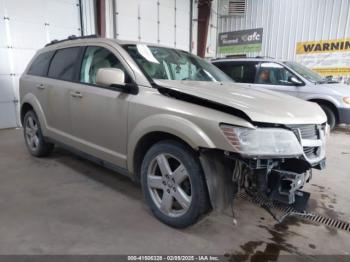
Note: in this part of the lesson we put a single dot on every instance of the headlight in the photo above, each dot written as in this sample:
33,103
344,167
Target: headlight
346,100
262,141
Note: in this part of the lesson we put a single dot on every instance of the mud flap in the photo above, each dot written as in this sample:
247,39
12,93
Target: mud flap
218,175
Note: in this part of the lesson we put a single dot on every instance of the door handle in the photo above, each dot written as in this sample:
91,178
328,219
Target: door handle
76,94
41,87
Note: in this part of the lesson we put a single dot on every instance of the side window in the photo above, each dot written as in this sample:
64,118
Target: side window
243,72
274,74
95,58
41,64
64,64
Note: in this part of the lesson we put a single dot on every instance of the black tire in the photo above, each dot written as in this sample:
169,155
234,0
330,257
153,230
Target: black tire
331,118
199,196
42,147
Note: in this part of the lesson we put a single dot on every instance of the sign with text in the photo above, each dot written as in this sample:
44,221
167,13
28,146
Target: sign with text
240,42
327,57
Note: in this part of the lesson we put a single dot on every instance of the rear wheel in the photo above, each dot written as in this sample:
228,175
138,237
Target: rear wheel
35,142
173,184
331,118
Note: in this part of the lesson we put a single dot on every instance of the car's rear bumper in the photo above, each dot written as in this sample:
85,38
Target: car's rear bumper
344,115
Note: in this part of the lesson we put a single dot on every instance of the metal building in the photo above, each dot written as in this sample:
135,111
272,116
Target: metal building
286,22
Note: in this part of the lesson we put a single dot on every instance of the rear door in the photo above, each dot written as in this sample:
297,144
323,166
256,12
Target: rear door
36,81
276,77
99,114
240,71
63,72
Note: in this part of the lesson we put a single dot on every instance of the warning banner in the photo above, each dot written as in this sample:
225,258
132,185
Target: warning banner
324,46
327,57
333,71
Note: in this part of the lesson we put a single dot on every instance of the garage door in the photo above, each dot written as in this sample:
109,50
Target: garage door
26,26
165,22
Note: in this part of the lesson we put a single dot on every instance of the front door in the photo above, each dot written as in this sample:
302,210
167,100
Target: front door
99,115
276,77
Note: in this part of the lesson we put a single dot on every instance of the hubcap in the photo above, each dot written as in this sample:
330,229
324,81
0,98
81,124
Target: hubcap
31,132
169,185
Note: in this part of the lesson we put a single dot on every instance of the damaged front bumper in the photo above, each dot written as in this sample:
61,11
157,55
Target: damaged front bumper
277,178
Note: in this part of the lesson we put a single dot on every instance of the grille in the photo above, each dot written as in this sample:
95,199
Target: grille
311,152
306,131
310,132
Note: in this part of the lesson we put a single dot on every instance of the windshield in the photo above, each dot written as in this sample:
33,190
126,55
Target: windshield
172,64
306,72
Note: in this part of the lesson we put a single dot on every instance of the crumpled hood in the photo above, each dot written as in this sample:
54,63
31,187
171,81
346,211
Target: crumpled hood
259,105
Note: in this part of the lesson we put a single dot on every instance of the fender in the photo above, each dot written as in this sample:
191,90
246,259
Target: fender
326,98
180,127
33,101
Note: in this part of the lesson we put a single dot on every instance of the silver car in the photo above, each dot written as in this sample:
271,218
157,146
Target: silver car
171,121
293,79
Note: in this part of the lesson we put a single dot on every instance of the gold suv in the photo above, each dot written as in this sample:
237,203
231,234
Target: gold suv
166,118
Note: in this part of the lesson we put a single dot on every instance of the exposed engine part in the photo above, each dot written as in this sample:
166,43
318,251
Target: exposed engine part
286,184
276,180
271,179
271,184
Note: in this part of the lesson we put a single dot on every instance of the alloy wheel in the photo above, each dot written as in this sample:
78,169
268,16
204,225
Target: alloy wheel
31,132
169,185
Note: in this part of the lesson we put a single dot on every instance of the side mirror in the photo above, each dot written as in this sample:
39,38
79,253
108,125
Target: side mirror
295,81
110,76
115,78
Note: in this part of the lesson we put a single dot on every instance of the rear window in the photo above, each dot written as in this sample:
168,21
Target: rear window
240,72
41,64
64,64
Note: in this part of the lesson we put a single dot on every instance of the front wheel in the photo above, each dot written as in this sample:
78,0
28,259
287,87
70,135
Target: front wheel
331,118
33,136
173,184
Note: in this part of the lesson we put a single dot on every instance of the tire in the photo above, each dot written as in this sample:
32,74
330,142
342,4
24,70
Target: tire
331,118
179,198
33,136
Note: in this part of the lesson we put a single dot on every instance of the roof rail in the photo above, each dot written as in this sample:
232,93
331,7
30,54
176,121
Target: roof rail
236,56
71,37
270,57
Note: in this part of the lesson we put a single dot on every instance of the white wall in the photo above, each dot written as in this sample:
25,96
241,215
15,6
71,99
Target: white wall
164,22
26,26
88,16
287,22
